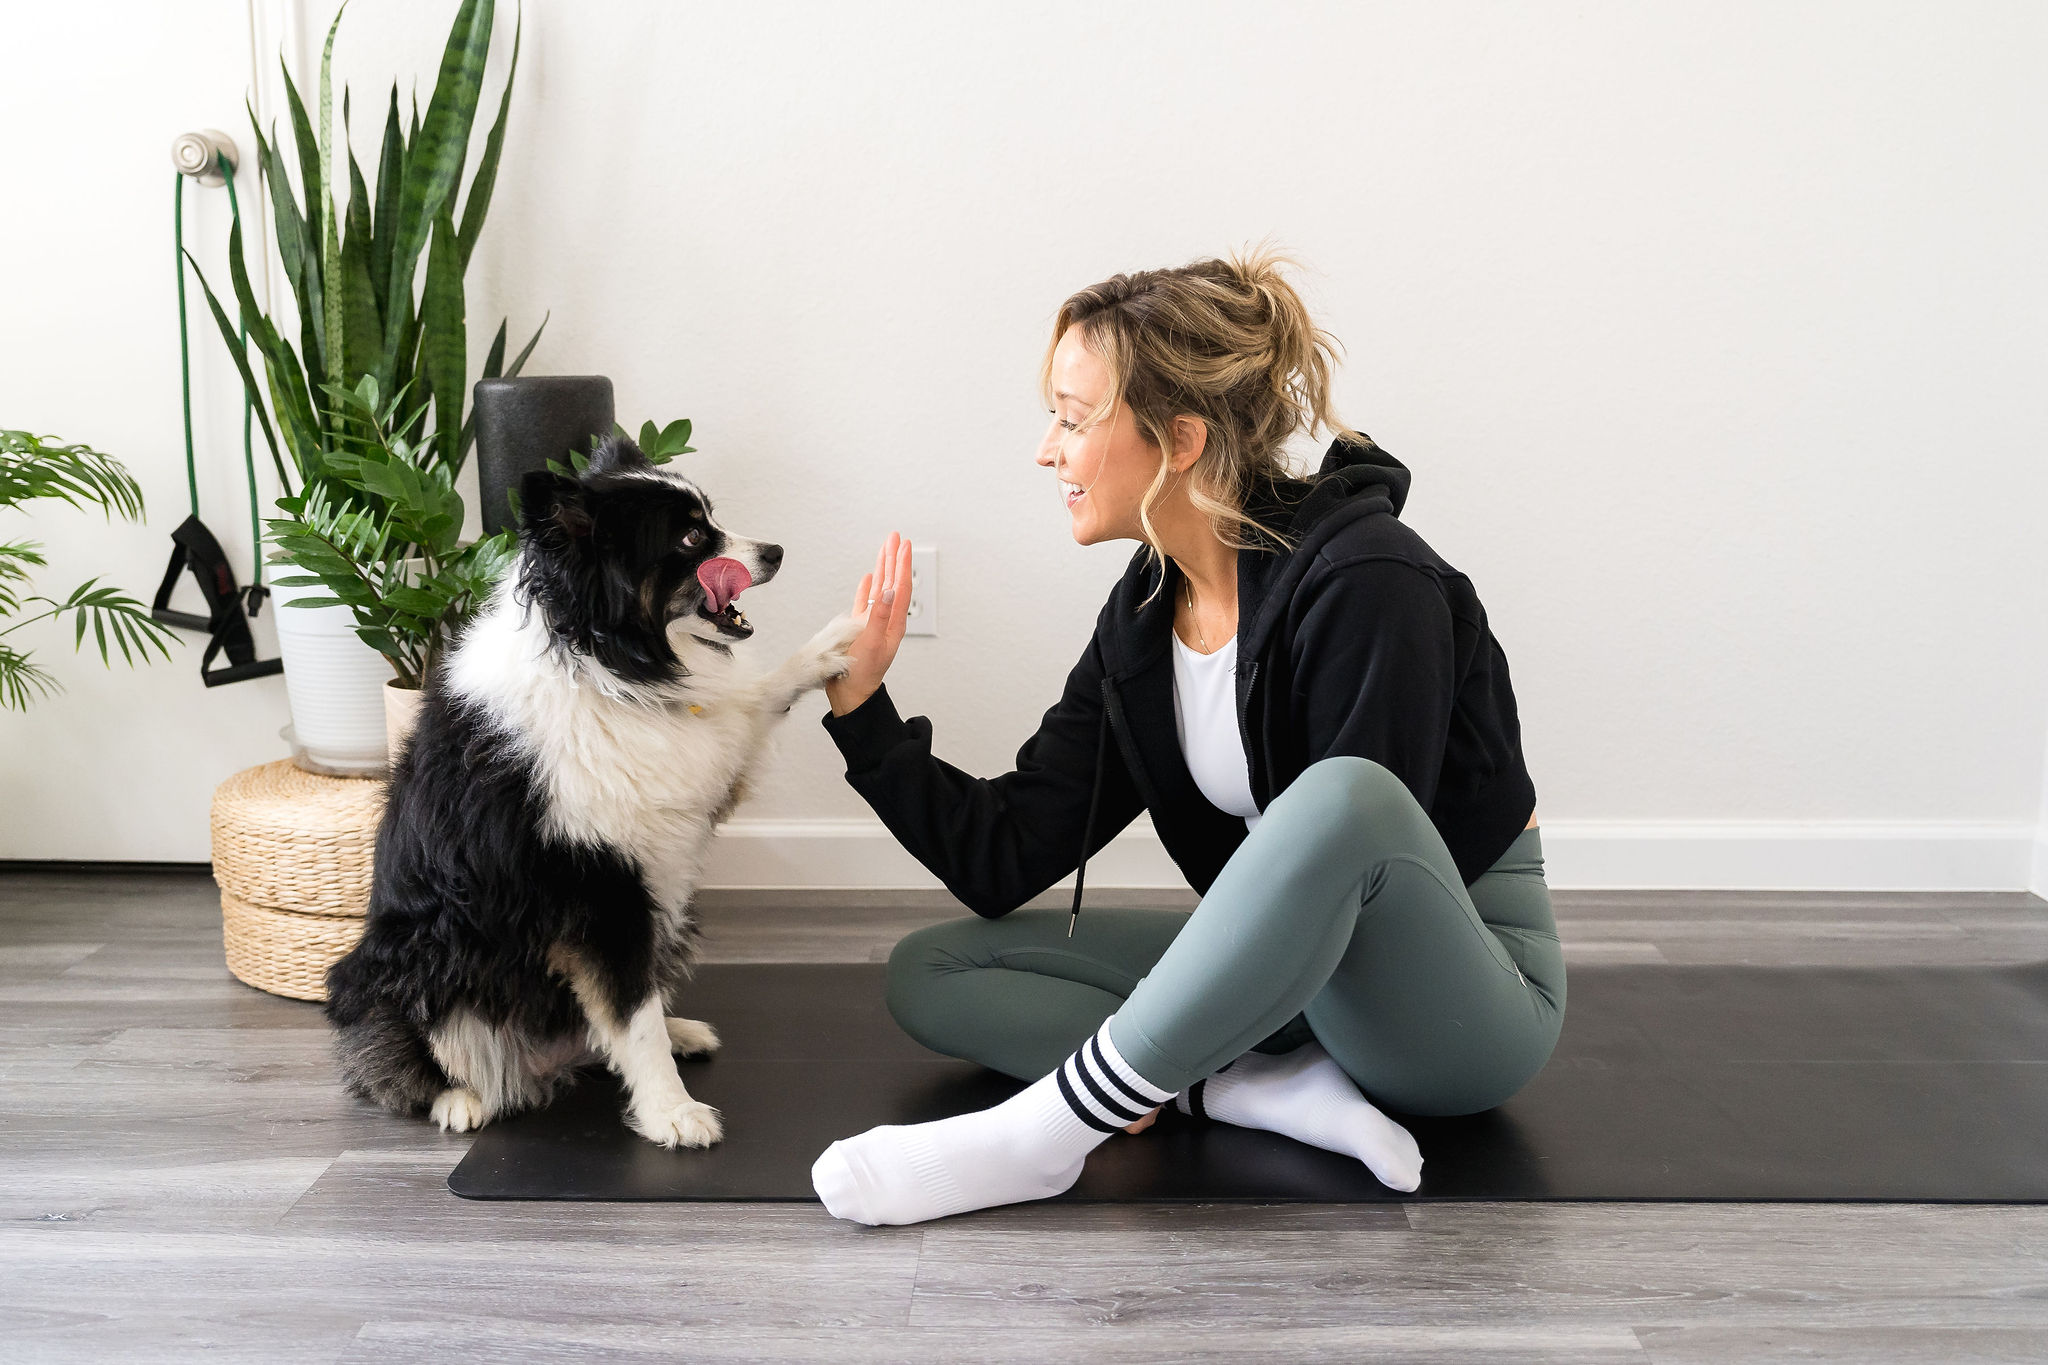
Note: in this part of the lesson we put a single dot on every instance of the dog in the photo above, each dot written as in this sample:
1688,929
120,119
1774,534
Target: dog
547,821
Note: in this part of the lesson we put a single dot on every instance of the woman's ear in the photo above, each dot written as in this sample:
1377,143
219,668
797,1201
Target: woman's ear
1190,439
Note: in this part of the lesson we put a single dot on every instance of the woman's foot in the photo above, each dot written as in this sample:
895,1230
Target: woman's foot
1305,1095
1031,1146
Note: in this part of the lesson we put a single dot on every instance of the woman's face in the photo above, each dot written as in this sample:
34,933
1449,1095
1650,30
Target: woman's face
1104,468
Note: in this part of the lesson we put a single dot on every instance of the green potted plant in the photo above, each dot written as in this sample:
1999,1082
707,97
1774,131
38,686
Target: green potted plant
33,467
365,417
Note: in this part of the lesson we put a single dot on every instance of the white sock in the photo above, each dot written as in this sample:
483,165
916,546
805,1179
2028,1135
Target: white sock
1305,1095
1031,1146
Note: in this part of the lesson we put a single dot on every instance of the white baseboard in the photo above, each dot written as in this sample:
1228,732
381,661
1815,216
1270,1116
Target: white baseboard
1663,855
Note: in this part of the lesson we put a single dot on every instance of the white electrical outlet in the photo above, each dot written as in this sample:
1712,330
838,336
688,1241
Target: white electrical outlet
924,591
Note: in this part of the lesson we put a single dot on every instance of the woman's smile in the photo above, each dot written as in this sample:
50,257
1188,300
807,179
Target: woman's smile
1071,493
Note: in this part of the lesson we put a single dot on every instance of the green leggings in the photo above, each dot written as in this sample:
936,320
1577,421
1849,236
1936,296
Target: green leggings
1342,917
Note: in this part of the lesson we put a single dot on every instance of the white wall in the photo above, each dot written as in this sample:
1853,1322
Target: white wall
1714,334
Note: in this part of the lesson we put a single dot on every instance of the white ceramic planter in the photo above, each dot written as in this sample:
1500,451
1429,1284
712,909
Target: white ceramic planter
335,683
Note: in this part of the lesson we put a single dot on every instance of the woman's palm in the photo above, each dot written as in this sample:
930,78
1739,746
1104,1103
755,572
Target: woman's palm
874,649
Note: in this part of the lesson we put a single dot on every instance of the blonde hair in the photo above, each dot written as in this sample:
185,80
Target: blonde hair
1228,341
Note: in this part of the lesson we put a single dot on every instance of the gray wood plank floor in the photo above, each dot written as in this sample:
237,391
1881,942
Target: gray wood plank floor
180,1176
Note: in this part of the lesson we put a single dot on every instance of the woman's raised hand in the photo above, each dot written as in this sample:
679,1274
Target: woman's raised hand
882,604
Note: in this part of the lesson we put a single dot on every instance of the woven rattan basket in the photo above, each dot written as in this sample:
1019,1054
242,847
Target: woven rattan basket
293,853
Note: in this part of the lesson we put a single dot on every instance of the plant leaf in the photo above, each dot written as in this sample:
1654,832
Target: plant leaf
238,352
330,235
444,333
390,175
480,186
309,284
433,161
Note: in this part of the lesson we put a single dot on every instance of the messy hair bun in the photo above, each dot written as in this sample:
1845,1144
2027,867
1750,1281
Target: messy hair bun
1226,340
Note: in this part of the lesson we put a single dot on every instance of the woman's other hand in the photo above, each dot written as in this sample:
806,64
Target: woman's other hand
882,604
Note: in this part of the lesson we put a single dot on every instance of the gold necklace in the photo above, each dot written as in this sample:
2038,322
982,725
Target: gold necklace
1192,620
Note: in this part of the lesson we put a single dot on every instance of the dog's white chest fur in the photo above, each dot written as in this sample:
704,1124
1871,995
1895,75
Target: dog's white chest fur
646,771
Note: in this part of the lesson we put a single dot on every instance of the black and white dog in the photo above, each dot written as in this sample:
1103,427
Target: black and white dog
546,824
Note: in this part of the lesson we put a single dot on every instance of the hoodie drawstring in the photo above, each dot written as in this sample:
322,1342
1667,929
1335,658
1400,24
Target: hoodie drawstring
1088,829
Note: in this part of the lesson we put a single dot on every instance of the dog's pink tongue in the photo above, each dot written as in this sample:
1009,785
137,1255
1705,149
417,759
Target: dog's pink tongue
723,580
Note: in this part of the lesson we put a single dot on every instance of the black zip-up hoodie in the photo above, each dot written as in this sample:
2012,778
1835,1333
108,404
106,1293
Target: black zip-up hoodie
1361,640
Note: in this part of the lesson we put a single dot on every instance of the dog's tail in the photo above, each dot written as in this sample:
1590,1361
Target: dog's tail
386,1059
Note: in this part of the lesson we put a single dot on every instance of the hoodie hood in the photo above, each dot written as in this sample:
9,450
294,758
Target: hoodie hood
1356,477
1356,480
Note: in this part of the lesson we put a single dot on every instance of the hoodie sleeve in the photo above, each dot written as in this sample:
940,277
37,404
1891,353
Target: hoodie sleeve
1376,668
995,842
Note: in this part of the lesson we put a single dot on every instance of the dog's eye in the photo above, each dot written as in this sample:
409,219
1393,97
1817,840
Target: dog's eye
693,537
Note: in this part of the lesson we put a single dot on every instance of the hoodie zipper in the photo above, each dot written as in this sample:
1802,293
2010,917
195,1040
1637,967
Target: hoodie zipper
1244,732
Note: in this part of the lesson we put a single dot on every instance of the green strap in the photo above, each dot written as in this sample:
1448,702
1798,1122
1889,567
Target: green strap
185,370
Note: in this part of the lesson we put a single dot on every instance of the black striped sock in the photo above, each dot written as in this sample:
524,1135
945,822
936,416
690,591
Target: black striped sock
1102,1089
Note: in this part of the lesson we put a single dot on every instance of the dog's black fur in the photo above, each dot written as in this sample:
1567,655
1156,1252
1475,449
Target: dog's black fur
475,903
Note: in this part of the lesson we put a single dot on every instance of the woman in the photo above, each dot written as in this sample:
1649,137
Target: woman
1309,702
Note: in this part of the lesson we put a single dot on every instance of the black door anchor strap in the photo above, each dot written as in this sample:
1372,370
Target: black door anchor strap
194,546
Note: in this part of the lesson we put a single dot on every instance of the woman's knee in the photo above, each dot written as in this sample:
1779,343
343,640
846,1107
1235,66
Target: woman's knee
1345,791
916,964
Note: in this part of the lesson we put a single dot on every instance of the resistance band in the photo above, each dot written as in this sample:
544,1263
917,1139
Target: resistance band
192,544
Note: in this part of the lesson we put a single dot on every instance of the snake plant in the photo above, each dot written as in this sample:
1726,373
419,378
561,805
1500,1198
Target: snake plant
366,335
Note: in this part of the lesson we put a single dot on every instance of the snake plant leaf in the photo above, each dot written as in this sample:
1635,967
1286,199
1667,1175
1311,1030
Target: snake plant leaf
492,371
433,160
494,359
357,219
480,186
294,406
308,147
294,238
330,234
519,361
444,332
308,285
362,330
362,317
390,175
239,353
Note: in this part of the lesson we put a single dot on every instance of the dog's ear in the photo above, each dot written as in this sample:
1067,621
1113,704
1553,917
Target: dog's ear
615,453
550,506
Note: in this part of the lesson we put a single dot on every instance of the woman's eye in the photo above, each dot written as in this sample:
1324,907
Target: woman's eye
693,537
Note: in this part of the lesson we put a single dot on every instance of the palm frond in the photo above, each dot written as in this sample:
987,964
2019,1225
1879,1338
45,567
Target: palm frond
21,682
33,466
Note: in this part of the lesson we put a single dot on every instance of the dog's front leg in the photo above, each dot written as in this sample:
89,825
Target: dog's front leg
637,1047
822,658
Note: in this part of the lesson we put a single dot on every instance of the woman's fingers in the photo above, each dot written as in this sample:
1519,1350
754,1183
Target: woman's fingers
860,594
899,611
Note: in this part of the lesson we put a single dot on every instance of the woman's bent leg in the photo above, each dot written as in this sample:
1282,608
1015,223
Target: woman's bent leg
1017,994
1425,1026
1302,898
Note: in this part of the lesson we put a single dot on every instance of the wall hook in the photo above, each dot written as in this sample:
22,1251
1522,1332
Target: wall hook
193,154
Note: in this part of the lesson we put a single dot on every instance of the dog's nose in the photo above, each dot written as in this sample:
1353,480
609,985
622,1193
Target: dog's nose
771,557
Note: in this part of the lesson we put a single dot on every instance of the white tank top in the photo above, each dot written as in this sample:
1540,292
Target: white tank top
1205,718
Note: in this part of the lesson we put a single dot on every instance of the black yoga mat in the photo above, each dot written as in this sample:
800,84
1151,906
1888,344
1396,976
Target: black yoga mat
1916,1084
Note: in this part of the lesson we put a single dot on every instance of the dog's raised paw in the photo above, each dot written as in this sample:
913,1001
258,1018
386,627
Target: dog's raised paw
690,1124
691,1037
459,1110
829,646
